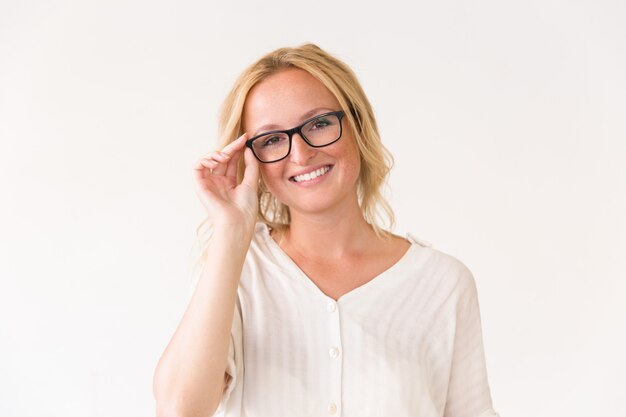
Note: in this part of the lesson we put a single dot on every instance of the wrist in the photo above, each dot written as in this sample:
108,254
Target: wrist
237,230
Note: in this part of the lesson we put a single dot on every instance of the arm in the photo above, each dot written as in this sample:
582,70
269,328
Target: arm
190,376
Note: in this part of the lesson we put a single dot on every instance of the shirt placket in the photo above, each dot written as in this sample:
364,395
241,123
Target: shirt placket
335,356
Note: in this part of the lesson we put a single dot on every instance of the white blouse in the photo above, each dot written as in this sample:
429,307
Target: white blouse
407,343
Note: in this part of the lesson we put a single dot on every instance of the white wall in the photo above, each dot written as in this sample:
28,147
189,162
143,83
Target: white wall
506,120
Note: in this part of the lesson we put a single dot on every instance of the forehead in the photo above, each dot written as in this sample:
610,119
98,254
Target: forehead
282,99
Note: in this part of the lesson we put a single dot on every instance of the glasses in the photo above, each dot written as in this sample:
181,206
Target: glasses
317,132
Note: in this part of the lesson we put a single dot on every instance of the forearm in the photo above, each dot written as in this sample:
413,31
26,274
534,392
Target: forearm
190,374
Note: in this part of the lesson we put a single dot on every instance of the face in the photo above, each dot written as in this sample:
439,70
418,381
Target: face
285,100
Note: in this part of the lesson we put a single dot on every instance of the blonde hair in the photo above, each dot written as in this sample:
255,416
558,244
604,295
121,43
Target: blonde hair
340,80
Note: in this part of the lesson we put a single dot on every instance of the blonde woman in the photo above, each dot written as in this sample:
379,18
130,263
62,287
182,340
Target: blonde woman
306,305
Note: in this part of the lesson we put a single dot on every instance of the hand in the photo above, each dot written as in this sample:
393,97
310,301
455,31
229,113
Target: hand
228,203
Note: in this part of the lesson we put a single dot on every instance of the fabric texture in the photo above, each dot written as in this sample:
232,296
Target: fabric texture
407,343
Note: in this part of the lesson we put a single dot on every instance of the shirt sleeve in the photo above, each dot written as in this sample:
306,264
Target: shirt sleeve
468,388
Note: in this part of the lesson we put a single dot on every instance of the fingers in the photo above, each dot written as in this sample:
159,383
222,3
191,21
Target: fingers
251,174
232,151
222,162
237,144
209,163
231,169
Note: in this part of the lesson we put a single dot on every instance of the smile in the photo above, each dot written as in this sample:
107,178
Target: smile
311,175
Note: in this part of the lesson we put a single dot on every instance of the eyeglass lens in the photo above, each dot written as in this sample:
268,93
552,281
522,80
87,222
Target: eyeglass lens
318,132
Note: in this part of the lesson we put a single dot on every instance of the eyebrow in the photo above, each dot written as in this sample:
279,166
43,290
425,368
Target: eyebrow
307,115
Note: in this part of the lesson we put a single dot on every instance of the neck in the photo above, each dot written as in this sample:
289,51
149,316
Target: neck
335,235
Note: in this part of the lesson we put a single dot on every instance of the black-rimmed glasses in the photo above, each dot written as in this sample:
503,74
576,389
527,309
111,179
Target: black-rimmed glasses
317,132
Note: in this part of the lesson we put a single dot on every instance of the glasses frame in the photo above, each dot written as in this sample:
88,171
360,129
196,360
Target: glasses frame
298,130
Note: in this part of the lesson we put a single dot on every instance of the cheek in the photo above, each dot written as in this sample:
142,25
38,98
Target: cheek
356,170
271,174
353,161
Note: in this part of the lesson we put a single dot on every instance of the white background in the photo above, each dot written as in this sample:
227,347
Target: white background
506,119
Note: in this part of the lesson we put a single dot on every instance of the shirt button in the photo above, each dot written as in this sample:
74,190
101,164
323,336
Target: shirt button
332,408
331,307
333,352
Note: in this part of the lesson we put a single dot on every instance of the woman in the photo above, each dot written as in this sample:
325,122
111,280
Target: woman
306,305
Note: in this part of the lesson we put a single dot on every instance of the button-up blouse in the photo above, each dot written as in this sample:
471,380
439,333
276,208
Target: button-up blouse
407,343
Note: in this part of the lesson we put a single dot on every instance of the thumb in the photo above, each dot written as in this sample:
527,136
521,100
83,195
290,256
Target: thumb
251,173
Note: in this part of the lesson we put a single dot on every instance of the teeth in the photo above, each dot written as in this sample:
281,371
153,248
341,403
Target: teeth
311,175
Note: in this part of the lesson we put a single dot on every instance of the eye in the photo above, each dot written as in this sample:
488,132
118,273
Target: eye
320,123
271,140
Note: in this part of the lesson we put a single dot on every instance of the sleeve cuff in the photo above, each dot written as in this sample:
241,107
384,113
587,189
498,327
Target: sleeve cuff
230,370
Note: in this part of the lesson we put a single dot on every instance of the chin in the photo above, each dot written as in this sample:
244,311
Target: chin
316,204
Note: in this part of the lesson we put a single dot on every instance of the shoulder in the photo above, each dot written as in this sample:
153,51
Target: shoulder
261,232
444,267
262,246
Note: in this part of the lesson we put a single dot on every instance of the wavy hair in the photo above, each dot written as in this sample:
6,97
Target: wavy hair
340,80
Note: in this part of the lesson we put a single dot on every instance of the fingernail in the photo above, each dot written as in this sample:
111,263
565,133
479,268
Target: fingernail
225,155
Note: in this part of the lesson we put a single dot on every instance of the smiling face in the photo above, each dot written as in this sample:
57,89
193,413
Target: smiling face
309,180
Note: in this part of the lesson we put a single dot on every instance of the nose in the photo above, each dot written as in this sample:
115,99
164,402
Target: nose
301,152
